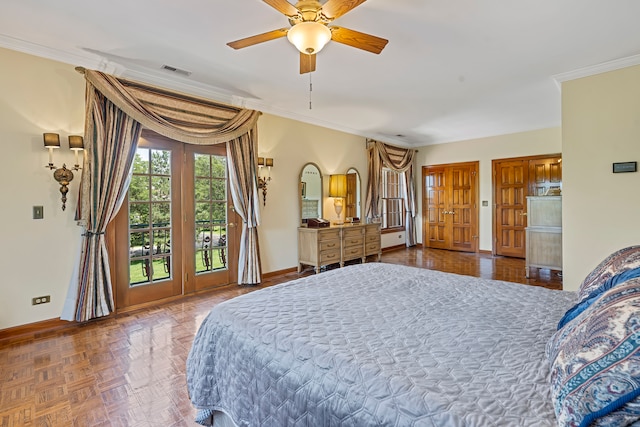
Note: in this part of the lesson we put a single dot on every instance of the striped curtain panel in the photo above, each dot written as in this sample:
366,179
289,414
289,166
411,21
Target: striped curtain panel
241,160
116,112
110,142
399,160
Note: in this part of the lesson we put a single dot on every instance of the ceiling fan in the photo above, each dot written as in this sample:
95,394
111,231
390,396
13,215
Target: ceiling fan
310,30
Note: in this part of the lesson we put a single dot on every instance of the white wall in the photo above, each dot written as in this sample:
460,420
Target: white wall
484,150
601,210
36,96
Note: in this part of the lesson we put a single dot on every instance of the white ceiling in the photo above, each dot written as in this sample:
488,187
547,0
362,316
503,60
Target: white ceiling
452,70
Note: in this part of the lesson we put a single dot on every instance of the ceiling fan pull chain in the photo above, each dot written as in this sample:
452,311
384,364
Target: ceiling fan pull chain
310,90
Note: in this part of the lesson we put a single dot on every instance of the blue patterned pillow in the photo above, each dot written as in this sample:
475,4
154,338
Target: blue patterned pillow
617,262
595,362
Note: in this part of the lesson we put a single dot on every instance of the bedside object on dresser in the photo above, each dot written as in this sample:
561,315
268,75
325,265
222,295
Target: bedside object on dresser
544,233
317,222
318,247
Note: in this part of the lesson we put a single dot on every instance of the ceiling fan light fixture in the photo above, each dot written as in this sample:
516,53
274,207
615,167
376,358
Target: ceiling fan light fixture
309,37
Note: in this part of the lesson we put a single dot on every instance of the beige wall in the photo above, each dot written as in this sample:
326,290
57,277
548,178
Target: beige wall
484,150
292,144
36,96
601,210
39,95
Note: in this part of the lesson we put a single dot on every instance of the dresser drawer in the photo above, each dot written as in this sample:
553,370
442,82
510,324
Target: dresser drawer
329,257
328,235
373,231
353,241
349,233
352,253
329,244
372,248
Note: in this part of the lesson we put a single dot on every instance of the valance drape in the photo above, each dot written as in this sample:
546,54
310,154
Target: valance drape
399,160
110,144
181,117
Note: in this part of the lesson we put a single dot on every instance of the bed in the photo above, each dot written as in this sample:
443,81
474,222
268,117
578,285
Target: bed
383,345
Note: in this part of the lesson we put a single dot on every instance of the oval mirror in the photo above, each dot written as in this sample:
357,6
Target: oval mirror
310,192
352,202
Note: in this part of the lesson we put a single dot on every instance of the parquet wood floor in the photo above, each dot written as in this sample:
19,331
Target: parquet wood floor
129,370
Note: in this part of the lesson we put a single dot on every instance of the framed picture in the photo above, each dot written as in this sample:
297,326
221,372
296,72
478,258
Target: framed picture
303,189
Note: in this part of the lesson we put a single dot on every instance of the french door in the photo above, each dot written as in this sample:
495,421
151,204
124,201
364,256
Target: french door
451,212
175,232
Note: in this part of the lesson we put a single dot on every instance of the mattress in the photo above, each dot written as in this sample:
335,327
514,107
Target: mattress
379,344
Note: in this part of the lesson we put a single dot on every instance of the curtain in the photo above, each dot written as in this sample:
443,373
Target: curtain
110,141
241,157
399,160
116,111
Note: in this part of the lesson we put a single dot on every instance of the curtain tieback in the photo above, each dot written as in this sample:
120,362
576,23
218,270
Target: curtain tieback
92,233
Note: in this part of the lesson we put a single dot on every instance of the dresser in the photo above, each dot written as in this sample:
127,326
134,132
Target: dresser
337,244
544,233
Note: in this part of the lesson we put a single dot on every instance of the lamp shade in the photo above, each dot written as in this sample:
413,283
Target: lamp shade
338,186
76,142
51,140
309,37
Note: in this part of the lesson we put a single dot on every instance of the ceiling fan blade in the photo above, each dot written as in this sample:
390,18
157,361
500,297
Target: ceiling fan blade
283,6
357,39
334,9
307,63
259,38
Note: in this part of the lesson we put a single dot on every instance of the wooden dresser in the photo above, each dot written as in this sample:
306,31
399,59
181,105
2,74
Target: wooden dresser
544,233
337,244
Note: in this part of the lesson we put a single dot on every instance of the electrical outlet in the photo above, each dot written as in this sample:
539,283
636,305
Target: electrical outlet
41,300
38,212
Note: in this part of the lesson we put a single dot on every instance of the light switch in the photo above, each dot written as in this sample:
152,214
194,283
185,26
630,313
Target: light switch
485,203
38,212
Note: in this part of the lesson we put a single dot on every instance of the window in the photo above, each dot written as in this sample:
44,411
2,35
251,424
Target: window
392,199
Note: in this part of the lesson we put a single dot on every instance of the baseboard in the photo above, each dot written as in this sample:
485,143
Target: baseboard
32,330
484,251
279,272
393,248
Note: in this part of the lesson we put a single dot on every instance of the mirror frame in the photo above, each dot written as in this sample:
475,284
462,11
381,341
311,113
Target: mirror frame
321,204
359,189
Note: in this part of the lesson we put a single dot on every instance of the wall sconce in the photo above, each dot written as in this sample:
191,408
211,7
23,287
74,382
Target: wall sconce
63,175
338,190
264,179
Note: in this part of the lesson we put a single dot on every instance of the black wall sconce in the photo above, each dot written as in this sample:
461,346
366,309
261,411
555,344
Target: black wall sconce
63,175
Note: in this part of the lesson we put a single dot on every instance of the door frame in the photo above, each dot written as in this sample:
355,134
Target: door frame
494,218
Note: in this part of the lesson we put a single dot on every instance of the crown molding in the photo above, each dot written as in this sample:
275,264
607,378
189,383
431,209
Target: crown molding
186,86
89,60
592,70
96,62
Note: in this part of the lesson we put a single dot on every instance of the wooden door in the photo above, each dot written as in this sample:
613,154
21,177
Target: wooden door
437,232
510,177
544,174
451,214
463,216
513,180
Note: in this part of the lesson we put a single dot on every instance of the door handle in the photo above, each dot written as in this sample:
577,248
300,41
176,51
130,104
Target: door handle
231,224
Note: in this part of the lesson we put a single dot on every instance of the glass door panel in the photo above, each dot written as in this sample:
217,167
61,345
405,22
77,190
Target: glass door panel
208,223
147,269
